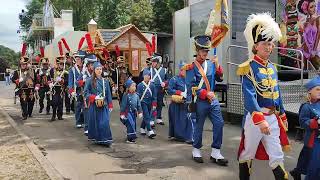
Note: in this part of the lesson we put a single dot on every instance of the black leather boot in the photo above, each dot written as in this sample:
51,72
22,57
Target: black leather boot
280,173
295,174
245,170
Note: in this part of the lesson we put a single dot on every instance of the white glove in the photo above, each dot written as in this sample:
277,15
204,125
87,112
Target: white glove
105,73
51,85
110,109
163,84
84,77
97,97
36,88
122,117
73,94
154,107
21,79
40,73
318,121
140,115
184,94
58,78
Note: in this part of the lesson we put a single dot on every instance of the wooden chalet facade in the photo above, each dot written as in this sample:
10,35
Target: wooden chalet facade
130,40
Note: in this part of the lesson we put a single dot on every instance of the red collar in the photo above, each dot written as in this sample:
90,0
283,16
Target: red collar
260,61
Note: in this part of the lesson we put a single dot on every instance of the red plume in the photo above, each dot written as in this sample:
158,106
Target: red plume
24,49
38,59
60,48
117,51
106,53
42,51
89,42
65,44
149,49
153,44
81,43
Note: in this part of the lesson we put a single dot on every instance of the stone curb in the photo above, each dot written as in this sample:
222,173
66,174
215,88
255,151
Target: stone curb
44,162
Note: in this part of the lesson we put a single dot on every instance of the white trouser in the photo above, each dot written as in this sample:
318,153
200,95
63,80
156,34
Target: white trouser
271,142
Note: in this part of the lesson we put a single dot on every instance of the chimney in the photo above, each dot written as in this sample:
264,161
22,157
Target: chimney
92,28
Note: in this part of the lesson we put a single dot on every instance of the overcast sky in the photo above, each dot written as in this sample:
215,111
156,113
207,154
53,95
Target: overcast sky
9,23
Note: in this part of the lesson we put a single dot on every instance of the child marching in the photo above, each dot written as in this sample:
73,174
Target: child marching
130,108
148,98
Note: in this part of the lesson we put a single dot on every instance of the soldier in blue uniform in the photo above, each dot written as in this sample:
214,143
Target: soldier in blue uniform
265,122
180,126
97,92
76,85
159,79
130,108
309,113
148,98
86,75
200,79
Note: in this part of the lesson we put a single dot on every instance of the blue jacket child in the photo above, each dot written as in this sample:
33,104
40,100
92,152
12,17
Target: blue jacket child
309,113
148,98
129,109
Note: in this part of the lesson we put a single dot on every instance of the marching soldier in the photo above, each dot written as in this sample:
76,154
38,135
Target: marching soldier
24,79
42,86
57,88
109,71
265,123
148,99
122,75
159,78
86,75
69,102
201,77
76,85
70,61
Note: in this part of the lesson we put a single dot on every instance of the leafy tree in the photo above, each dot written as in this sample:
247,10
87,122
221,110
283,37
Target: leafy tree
33,7
8,58
142,15
163,14
124,12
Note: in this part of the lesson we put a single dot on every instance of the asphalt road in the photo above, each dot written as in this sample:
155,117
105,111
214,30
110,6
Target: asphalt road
76,158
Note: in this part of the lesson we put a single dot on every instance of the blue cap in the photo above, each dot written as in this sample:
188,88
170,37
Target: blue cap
96,65
80,54
91,58
313,83
146,72
202,42
181,64
128,83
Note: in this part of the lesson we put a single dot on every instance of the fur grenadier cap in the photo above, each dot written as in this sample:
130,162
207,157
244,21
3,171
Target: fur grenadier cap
261,27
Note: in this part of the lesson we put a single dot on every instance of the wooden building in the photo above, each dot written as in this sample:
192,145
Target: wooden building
130,40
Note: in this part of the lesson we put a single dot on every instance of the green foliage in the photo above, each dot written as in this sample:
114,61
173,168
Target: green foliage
8,58
142,15
33,7
111,14
163,14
